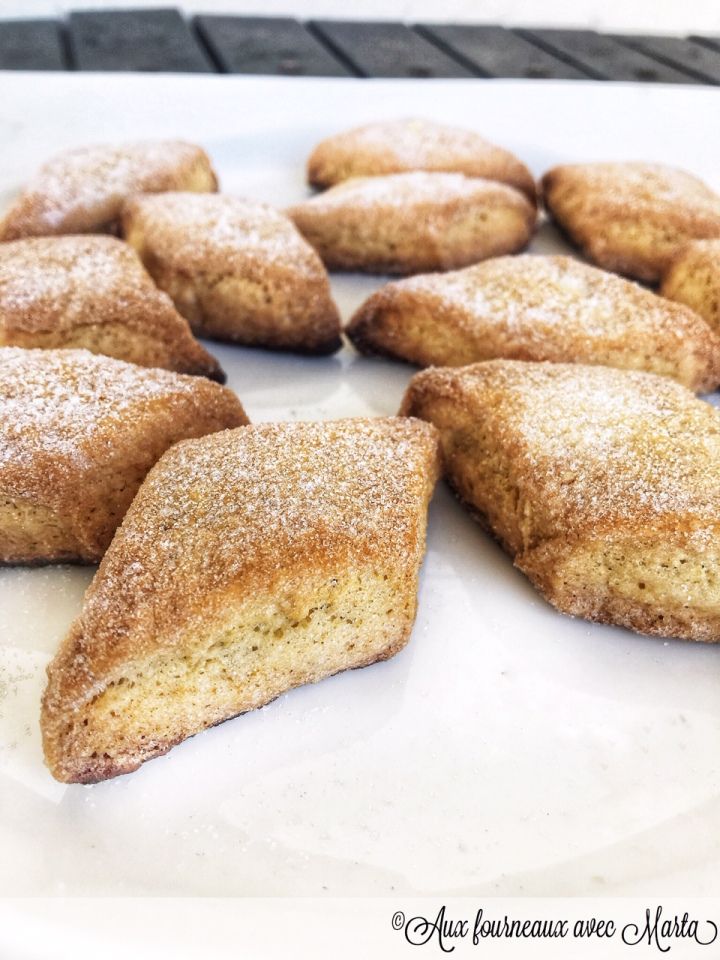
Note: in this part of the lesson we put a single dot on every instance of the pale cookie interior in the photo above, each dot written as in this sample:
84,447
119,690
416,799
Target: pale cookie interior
250,561
243,659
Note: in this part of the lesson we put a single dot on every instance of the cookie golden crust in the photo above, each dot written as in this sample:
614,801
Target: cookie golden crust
630,217
400,146
250,562
78,434
93,293
237,269
414,222
602,484
536,308
693,278
83,190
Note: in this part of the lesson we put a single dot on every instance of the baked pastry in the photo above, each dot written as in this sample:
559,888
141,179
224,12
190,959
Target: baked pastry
630,217
693,278
411,222
602,484
399,146
536,308
250,562
78,433
237,269
83,190
93,292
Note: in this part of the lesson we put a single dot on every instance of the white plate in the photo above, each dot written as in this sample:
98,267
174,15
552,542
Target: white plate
508,750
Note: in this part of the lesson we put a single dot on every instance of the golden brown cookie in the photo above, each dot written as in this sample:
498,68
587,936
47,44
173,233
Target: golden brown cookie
536,308
412,222
78,434
92,292
602,484
83,190
237,269
250,562
630,217
693,278
399,146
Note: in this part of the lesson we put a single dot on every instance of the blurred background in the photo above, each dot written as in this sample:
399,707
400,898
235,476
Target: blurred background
656,16
647,41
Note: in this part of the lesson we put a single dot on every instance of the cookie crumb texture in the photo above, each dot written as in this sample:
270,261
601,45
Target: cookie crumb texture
78,434
249,563
414,222
83,190
603,485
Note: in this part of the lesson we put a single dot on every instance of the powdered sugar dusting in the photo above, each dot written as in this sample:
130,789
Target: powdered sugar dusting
537,297
394,146
280,482
600,444
92,173
83,189
403,190
210,229
706,251
61,403
415,142
642,185
258,500
54,283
